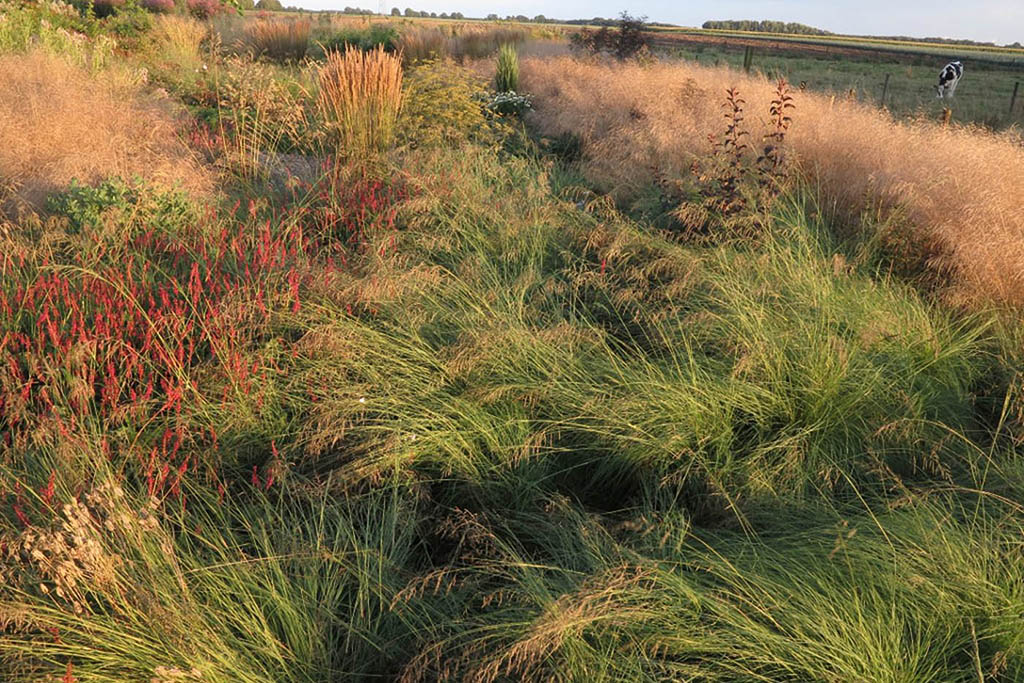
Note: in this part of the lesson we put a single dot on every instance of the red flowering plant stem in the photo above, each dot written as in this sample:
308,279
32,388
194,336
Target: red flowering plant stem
131,335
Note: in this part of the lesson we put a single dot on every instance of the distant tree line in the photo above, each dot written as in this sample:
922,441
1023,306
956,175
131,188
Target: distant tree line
409,12
766,26
602,21
520,18
943,41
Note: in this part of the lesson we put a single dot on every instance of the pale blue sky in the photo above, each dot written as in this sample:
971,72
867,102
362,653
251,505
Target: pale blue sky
1001,21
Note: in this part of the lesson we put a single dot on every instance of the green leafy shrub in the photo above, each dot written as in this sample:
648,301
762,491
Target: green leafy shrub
509,103
627,41
445,104
376,36
130,22
126,206
105,8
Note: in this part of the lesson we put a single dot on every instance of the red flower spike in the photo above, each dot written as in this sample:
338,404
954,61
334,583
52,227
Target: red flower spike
47,493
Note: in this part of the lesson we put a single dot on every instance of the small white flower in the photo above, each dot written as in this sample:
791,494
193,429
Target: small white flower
362,400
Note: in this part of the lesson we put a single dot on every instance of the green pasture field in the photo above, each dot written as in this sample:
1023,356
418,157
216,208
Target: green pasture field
983,95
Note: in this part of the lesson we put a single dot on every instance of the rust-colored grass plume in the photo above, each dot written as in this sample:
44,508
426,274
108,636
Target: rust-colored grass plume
281,40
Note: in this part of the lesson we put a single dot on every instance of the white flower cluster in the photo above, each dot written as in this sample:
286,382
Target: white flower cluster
509,102
63,8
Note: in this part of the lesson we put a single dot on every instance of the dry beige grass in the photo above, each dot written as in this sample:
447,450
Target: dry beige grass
58,122
360,99
178,39
962,189
460,41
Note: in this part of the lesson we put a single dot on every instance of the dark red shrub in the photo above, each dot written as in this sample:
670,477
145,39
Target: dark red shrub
204,9
158,6
104,8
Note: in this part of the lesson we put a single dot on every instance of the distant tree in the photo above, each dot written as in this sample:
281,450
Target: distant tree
395,12
443,15
411,12
433,15
269,5
246,4
493,17
540,19
626,41
457,15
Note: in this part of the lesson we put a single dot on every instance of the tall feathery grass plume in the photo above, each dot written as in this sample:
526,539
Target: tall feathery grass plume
360,100
507,77
179,39
283,41
422,44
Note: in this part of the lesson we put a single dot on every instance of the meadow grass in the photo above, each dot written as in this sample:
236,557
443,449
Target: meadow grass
418,43
951,185
507,77
179,39
443,412
533,451
62,122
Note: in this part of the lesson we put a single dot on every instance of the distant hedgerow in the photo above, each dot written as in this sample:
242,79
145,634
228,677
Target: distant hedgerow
626,41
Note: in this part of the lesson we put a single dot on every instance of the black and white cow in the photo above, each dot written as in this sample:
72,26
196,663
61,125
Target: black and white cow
948,78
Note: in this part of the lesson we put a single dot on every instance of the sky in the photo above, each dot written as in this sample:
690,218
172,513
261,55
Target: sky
999,21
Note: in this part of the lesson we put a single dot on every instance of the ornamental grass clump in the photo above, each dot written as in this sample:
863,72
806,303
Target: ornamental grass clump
507,77
360,100
283,41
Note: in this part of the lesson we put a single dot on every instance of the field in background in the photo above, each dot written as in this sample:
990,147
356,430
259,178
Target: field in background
849,67
984,95
840,44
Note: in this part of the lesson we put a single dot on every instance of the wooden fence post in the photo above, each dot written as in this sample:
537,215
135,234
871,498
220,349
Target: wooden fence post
1013,97
885,89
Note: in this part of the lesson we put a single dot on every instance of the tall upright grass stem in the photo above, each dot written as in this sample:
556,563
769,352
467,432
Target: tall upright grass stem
507,77
360,100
